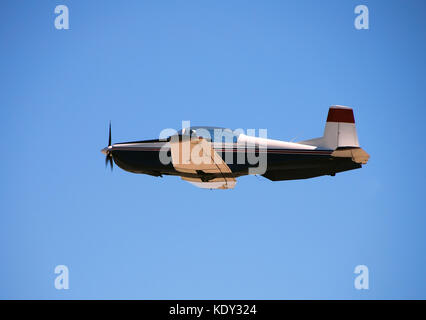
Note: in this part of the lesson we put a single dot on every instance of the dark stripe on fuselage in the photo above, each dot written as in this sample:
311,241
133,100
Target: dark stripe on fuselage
140,159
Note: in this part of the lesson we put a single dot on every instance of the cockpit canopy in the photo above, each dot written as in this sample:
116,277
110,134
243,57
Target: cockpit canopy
213,134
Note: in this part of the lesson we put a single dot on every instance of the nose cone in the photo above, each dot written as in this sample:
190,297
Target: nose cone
106,150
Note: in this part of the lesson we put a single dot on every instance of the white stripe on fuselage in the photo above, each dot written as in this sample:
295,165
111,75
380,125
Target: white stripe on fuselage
272,144
243,141
139,145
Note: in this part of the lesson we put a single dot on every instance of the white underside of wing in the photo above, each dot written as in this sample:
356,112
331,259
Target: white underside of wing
217,183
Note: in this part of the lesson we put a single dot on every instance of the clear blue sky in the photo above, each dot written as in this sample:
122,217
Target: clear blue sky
147,66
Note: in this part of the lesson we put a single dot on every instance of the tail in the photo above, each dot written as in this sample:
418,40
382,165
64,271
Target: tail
340,135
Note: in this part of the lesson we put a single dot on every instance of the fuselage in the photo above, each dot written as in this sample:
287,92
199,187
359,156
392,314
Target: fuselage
285,160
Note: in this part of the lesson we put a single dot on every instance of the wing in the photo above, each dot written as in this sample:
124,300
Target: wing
216,183
200,164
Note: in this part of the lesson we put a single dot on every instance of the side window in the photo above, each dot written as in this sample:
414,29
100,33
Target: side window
224,136
204,133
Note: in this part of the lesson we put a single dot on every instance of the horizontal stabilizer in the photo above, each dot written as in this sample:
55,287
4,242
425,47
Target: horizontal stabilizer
358,155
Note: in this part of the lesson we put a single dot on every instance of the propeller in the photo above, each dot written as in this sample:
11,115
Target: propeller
108,150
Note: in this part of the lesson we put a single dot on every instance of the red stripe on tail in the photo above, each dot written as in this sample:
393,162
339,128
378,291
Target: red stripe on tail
340,115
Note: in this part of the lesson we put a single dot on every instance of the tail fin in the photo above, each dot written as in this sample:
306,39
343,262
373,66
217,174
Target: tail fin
340,134
339,130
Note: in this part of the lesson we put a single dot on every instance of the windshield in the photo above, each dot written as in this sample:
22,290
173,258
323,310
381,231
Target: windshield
214,134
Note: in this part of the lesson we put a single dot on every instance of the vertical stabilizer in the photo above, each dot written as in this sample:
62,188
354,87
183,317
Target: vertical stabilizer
340,128
339,132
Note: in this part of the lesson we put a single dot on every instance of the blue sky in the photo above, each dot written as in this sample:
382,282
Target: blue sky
148,65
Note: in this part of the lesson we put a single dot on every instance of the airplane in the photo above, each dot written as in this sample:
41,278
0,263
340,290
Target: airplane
214,157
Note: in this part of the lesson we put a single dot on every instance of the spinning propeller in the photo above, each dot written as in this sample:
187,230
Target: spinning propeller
108,151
